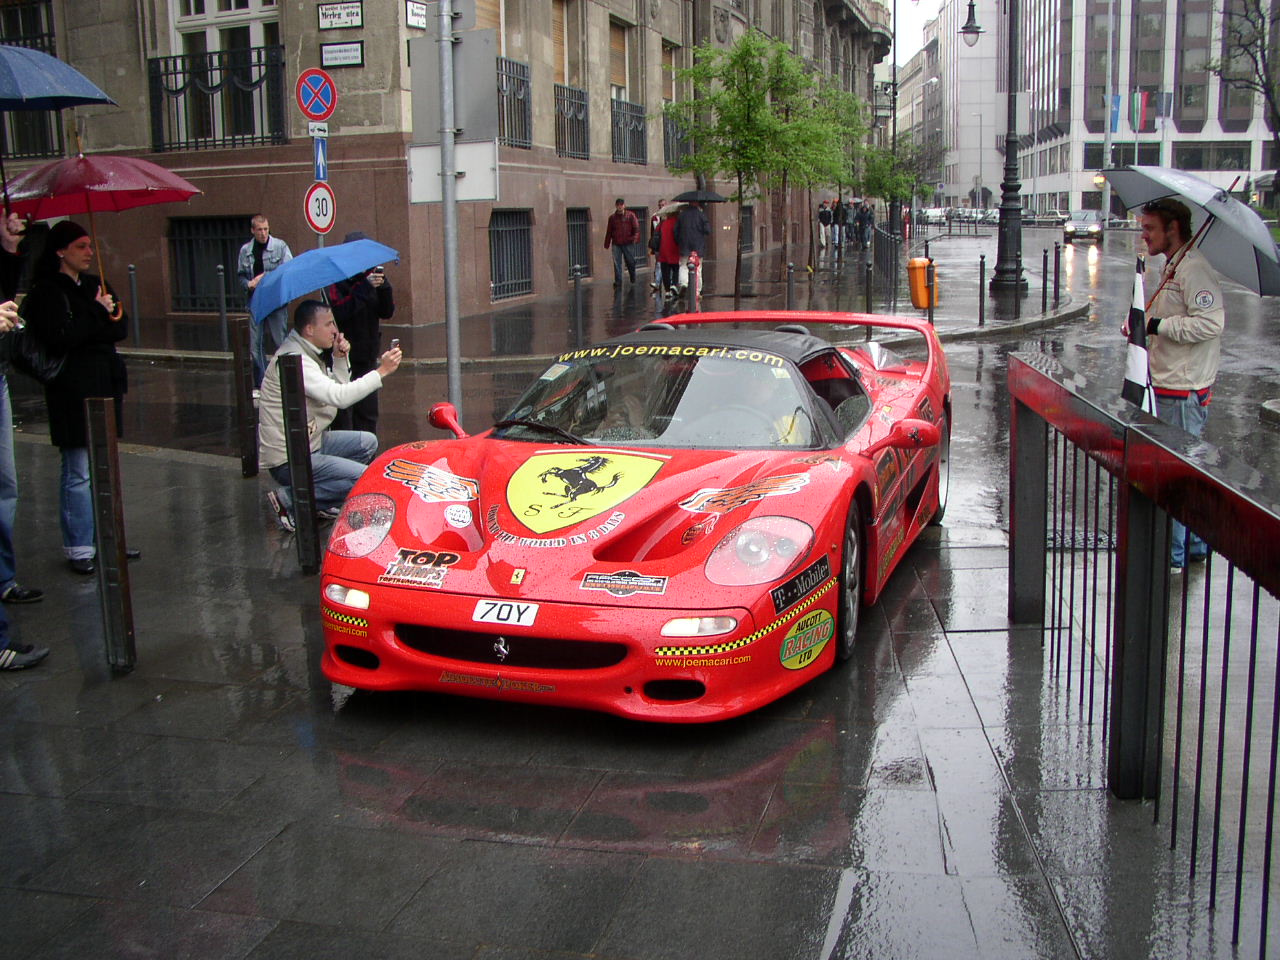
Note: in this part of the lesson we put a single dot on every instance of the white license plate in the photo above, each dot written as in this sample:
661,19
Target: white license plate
506,612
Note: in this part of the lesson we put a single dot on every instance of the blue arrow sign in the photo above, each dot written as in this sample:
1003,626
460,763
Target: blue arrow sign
322,158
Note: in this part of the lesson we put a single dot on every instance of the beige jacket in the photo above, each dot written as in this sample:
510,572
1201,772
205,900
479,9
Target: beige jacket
327,393
1183,355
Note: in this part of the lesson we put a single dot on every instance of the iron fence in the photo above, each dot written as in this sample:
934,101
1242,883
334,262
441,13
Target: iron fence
573,129
886,251
510,253
1174,671
515,109
676,144
628,127
196,246
228,98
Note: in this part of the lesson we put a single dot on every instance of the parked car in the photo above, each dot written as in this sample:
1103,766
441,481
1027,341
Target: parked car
990,215
1083,225
680,524
935,215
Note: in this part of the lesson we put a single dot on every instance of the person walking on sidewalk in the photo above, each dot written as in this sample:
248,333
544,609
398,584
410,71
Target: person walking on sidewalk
620,232
1185,320
692,230
338,457
257,258
824,225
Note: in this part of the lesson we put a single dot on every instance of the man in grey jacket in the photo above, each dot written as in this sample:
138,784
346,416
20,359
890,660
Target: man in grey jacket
338,457
257,258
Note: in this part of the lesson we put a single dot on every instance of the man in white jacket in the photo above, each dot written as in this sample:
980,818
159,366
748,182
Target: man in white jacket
338,457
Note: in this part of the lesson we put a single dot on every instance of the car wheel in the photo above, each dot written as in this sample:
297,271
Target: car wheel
944,474
850,583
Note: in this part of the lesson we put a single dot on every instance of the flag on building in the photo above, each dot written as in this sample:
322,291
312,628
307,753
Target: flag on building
1115,113
1138,110
1137,387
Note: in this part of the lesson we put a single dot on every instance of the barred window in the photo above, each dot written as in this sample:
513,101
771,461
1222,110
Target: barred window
579,235
197,245
510,253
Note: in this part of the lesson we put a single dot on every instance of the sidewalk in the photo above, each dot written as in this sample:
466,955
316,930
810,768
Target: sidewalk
938,796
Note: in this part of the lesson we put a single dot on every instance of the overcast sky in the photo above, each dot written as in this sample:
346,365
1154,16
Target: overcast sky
912,15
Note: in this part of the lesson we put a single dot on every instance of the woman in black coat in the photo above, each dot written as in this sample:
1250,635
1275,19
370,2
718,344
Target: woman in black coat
68,310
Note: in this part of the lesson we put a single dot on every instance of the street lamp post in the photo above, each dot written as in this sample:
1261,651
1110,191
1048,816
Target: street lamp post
1008,273
980,196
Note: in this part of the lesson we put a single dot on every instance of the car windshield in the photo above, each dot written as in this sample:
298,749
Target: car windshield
1086,215
668,396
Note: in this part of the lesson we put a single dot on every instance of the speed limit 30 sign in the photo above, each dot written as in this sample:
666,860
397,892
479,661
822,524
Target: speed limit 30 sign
320,208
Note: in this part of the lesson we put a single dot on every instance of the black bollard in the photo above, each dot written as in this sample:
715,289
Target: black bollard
930,280
1044,282
982,290
133,306
576,273
1057,272
791,286
222,306
242,387
1017,292
867,288
114,595
926,251
297,444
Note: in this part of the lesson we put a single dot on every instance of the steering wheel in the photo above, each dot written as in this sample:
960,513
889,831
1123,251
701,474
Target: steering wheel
723,413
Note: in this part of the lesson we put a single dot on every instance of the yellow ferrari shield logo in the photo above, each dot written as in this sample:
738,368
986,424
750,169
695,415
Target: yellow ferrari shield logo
554,490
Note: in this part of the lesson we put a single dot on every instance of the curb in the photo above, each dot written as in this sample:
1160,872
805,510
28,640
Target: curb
1269,410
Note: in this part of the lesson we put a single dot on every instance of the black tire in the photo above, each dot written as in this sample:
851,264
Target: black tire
944,473
851,567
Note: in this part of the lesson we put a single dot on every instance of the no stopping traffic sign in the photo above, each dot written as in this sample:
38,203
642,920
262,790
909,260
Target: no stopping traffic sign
316,93
320,208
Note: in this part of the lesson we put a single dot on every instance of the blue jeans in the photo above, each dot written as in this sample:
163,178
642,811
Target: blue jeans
620,254
1187,413
76,503
8,490
335,469
265,339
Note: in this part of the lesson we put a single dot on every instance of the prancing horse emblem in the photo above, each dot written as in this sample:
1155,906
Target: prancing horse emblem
577,480
501,650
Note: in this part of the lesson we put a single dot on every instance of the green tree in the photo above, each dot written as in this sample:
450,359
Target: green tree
759,118
1251,59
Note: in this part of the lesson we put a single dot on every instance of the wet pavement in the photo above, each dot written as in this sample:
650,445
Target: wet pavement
938,796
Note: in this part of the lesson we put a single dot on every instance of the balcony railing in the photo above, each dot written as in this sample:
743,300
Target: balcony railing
515,111
675,143
29,134
573,133
629,140
228,98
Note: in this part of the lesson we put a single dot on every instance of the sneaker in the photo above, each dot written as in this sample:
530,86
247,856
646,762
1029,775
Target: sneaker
81,565
1199,557
17,594
283,517
1176,567
19,656
329,515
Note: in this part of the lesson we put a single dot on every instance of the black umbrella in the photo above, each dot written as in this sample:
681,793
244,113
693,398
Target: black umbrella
700,196
31,80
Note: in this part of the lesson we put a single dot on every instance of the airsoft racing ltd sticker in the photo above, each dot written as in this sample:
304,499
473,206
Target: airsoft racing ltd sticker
418,568
431,484
554,490
808,638
788,594
724,499
624,583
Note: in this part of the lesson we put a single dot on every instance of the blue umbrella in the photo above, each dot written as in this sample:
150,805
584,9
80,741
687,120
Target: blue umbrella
31,80
315,270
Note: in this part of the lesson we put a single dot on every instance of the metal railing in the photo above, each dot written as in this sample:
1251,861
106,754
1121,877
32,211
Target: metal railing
573,123
578,224
886,251
196,246
630,144
1176,672
515,107
228,98
676,144
510,253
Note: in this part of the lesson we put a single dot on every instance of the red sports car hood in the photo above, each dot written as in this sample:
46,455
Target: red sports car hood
511,518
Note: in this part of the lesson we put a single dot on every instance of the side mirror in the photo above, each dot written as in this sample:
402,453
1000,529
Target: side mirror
907,434
444,416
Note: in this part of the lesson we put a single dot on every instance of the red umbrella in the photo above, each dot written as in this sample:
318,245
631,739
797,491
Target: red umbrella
83,184
73,185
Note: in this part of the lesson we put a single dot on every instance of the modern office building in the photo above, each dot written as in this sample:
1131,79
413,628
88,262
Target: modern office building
561,111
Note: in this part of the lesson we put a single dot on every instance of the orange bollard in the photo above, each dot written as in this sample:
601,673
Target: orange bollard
918,280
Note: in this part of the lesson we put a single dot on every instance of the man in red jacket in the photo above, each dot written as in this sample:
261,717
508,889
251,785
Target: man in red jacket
622,230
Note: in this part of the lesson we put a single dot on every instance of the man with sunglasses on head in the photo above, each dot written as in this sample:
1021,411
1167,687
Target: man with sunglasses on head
1185,319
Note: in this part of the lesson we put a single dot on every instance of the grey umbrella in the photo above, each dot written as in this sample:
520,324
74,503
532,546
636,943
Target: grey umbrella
1231,235
699,196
